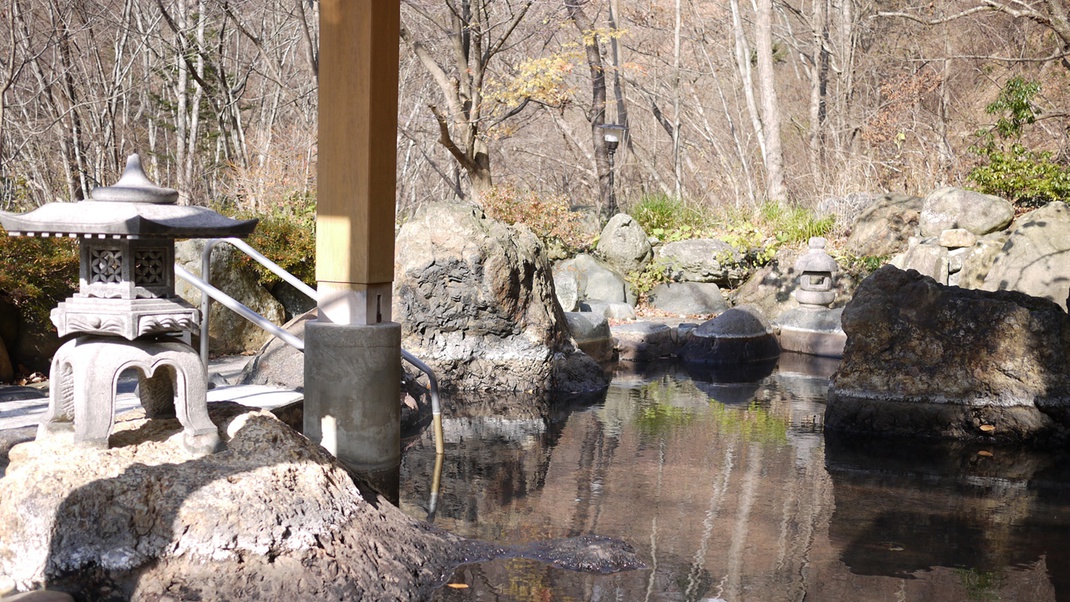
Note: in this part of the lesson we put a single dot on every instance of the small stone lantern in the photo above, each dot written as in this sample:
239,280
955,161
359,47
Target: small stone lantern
126,313
816,269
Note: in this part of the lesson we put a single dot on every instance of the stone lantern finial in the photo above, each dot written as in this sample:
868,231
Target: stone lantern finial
135,187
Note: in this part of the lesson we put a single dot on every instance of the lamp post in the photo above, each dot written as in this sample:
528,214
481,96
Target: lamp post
612,134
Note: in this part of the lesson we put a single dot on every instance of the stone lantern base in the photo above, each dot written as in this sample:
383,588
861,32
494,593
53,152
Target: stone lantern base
84,375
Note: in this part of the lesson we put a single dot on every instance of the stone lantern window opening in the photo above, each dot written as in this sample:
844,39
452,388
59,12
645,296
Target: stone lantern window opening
816,269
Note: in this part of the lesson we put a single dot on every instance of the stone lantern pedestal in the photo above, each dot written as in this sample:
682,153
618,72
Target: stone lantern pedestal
126,313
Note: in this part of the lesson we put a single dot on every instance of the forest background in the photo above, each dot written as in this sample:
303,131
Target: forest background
727,104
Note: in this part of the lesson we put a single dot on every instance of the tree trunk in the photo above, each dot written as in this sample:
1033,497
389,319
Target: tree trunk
774,158
596,115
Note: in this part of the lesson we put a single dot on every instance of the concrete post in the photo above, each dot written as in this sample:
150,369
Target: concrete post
352,408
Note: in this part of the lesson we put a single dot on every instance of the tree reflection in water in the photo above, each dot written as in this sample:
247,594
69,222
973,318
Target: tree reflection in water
731,491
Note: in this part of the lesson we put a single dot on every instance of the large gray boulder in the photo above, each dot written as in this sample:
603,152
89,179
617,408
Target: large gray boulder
476,302
687,298
885,226
585,278
703,260
1036,258
229,332
624,244
927,360
949,207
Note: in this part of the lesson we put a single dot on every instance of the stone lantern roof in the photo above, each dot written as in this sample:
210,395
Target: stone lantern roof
133,208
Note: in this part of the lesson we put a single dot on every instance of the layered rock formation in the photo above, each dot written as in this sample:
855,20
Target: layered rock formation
476,302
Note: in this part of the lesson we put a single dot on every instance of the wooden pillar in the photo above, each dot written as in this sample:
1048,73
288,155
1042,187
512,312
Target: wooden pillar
358,98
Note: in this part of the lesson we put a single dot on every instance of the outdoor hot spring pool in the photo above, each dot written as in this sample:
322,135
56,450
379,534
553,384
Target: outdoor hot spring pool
733,492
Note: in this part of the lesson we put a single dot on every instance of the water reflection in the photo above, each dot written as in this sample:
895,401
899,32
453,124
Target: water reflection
730,491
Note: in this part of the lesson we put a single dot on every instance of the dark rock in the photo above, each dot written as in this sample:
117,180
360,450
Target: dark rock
933,361
294,302
278,364
687,298
7,371
591,332
476,302
737,336
885,226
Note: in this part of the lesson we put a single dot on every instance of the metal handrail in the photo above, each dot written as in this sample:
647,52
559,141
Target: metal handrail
210,292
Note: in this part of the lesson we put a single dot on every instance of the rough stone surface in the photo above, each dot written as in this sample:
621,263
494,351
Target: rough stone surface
567,287
928,360
957,238
1036,258
927,258
272,517
643,341
593,279
687,298
885,226
591,332
229,332
613,310
703,260
624,245
476,302
294,302
949,207
977,263
276,363
739,335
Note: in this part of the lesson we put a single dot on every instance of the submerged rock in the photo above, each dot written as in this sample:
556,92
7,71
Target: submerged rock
928,360
738,336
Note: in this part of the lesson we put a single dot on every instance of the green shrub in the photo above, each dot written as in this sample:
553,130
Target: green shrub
36,274
1010,170
549,217
287,236
668,218
1023,177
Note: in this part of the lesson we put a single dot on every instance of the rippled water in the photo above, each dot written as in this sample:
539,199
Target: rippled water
733,492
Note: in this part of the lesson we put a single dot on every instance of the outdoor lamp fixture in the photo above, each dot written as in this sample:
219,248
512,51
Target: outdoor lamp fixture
816,269
613,133
125,313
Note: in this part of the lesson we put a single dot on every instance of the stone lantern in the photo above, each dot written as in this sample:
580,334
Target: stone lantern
813,328
126,313
816,269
